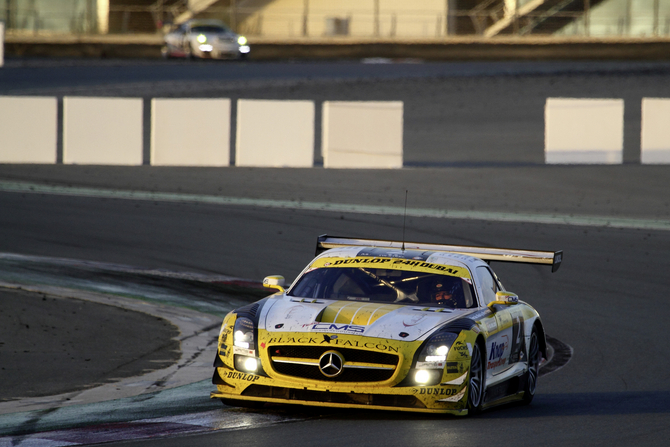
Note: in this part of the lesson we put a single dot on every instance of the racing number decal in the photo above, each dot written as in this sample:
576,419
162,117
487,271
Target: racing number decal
505,346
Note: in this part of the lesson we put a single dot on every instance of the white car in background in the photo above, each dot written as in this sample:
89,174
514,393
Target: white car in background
205,39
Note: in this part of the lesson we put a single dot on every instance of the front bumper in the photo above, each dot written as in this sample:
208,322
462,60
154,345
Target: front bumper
221,50
447,394
393,402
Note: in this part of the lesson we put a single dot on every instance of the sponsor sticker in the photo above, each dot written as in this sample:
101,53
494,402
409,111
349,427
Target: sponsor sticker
462,349
243,351
394,264
332,340
240,376
496,354
430,365
433,391
334,327
453,367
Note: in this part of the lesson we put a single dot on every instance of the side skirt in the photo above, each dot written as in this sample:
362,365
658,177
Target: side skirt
504,392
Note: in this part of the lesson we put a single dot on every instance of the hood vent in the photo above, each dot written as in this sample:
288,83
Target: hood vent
250,310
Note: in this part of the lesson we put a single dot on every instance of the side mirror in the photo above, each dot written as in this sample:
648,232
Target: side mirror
274,282
505,298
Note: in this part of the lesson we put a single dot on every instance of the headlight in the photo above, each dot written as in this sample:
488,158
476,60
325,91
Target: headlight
422,377
245,355
434,352
201,38
243,333
242,40
247,364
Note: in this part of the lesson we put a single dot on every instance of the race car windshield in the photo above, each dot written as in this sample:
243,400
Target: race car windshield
208,29
385,286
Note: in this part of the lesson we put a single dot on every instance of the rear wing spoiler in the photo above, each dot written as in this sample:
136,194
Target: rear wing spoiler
552,258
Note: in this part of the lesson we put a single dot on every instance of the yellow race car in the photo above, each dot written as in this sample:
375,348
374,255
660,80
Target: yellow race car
386,325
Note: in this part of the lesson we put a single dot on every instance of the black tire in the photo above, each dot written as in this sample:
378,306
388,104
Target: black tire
242,403
533,367
476,381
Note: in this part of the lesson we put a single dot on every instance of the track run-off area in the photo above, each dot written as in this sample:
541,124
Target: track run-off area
606,302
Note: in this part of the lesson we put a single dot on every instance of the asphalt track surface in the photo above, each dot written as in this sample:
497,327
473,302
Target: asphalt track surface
607,301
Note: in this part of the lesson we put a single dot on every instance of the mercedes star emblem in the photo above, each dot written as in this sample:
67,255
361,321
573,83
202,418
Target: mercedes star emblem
331,364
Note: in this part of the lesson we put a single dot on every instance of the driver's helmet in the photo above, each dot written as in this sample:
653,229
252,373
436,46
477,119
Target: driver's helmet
445,291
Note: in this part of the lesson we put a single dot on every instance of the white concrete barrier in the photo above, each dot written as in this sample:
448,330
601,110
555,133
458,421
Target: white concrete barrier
585,131
275,133
28,129
190,132
362,134
102,131
655,137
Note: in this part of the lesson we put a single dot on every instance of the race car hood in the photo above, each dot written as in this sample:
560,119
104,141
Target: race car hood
389,321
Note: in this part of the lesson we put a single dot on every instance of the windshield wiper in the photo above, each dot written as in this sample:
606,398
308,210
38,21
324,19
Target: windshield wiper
402,296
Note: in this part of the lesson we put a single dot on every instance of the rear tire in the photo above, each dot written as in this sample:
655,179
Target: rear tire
533,367
476,381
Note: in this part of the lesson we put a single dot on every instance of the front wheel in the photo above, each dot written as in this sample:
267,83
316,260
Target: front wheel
476,381
533,368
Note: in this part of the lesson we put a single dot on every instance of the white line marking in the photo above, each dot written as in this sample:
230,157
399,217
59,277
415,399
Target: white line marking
557,219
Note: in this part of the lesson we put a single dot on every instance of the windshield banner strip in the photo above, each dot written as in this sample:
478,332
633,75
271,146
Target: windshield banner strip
392,264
